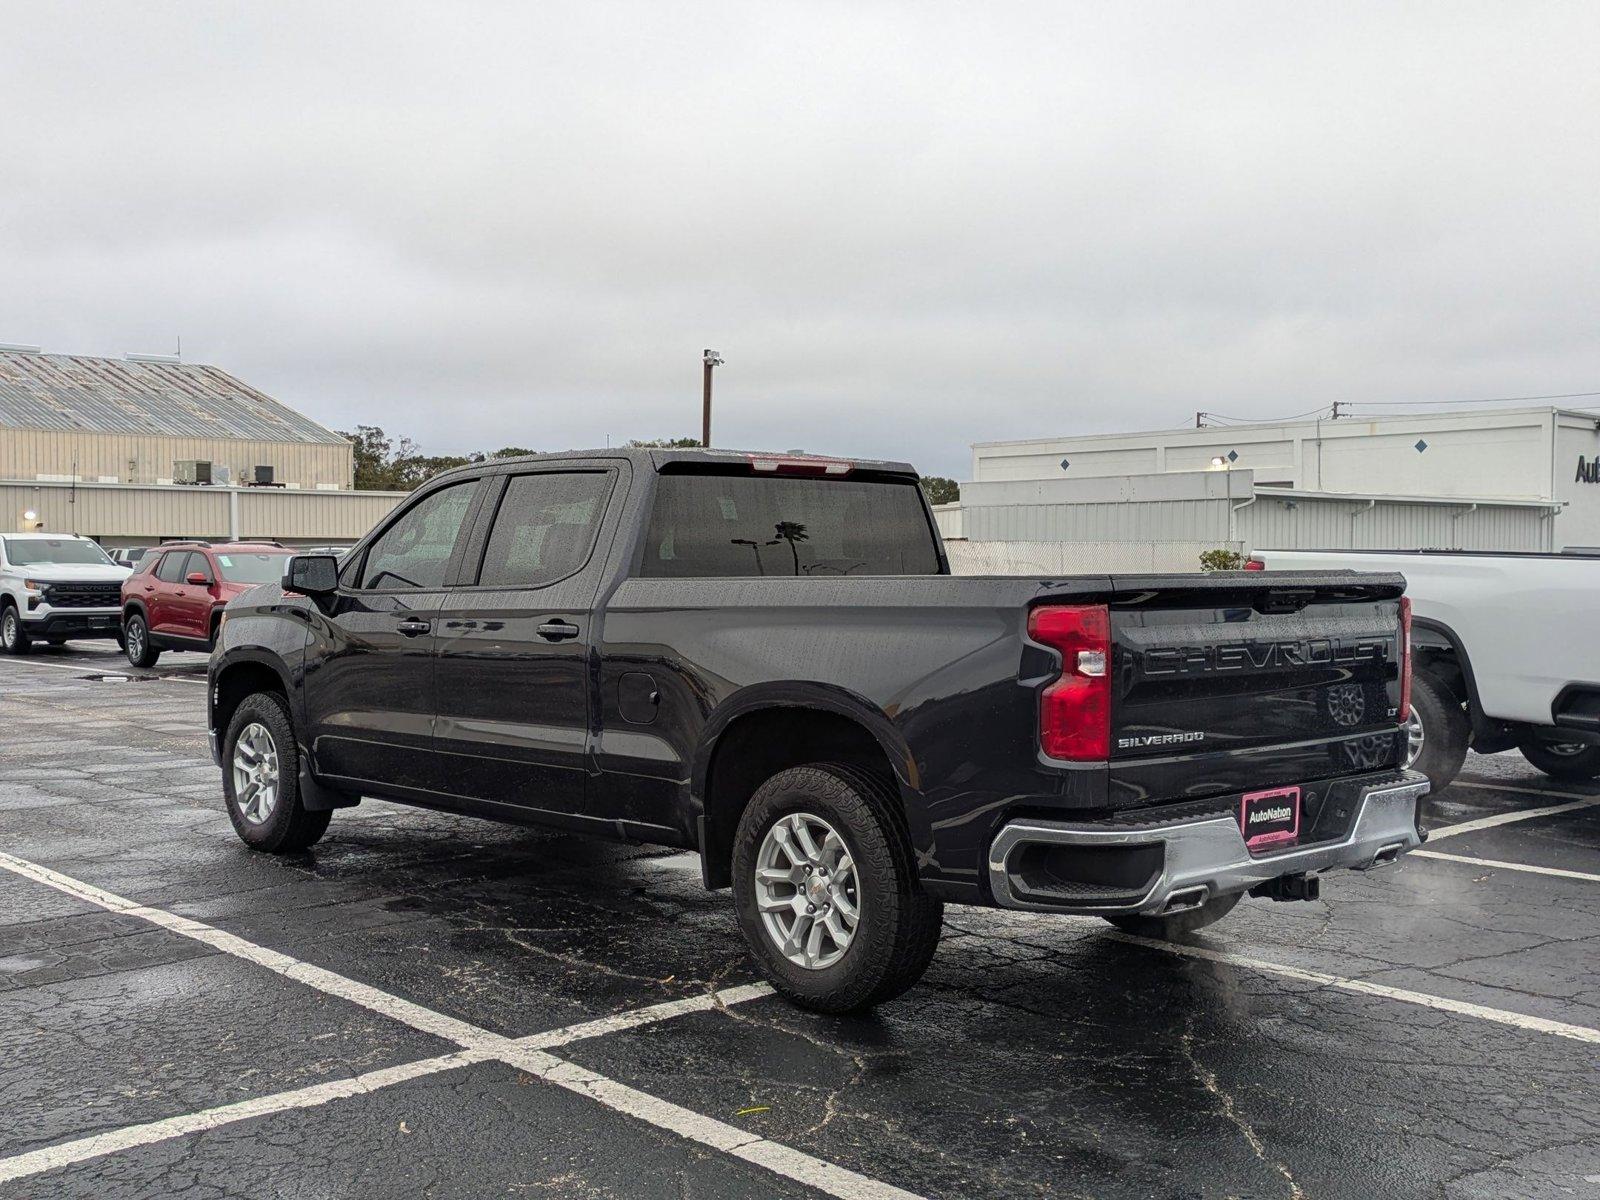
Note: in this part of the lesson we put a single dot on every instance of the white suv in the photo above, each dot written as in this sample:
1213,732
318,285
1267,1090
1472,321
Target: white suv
55,586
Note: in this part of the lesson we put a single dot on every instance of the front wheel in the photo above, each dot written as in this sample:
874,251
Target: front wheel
136,642
1176,925
826,891
14,638
1561,760
261,779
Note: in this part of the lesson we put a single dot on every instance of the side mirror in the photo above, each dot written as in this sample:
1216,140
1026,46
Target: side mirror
311,574
198,578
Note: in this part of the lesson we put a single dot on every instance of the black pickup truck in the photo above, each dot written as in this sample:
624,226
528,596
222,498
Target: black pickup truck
765,658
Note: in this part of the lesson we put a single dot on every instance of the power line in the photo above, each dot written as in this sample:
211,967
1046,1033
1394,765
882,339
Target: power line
1223,420
1489,400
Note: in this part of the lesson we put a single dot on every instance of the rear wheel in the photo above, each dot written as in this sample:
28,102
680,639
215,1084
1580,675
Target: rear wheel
1177,924
261,779
826,891
136,642
14,638
1437,732
1561,760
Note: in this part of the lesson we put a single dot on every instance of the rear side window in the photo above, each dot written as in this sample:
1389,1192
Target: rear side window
415,551
171,568
545,528
736,525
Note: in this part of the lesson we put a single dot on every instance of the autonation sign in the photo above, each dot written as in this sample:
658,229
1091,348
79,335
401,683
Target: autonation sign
1588,469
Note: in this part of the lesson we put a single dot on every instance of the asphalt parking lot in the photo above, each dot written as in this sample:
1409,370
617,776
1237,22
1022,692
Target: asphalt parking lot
434,1006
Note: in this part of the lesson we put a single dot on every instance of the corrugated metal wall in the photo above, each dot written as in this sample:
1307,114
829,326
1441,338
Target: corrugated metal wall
1075,558
25,454
1310,524
1351,525
337,517
146,514
1160,520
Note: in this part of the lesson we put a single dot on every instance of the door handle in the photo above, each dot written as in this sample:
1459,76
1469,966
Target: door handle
413,628
557,631
149,587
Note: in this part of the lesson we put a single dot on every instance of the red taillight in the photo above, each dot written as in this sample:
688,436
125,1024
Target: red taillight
1075,710
1255,564
1405,659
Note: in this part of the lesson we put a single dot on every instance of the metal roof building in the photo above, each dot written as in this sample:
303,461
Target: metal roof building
105,447
74,418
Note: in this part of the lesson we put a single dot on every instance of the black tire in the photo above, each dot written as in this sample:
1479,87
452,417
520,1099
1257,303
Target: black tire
136,641
1171,927
1445,730
288,828
14,638
899,925
1561,760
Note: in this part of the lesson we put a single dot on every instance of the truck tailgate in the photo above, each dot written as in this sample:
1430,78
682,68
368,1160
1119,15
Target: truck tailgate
1230,682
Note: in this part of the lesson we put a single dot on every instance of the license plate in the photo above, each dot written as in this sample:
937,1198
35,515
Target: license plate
100,622
1271,818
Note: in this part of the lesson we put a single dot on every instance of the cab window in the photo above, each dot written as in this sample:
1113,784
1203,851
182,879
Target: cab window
415,551
545,528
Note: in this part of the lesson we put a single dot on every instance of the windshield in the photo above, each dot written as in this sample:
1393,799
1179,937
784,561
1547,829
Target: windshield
32,552
251,568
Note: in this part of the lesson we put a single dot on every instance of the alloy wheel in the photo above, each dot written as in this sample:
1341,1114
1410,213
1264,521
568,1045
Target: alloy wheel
1414,737
255,773
8,628
807,890
135,636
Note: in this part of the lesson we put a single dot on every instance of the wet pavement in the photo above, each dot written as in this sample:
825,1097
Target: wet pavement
347,1022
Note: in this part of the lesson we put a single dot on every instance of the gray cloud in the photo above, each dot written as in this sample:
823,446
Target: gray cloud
907,227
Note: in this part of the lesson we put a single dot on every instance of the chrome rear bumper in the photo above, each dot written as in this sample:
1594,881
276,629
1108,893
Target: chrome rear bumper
1204,858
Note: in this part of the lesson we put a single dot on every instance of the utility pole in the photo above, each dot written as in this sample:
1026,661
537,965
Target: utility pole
710,360
1334,416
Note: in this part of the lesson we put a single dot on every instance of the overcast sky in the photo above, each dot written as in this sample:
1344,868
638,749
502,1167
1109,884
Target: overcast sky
907,227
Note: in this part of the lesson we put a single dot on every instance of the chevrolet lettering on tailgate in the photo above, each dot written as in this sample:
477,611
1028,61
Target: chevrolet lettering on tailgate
1241,656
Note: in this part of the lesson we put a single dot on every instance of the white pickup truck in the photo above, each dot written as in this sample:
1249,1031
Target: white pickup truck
55,586
1507,652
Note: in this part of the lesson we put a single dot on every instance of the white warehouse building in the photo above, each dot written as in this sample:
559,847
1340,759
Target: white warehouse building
1514,479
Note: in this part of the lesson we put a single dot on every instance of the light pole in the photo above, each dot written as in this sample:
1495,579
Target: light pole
710,360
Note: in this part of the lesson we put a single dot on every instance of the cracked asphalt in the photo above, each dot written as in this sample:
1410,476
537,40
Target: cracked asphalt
1455,1052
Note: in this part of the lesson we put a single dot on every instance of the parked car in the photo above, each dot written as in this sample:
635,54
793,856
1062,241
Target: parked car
128,556
174,601
53,587
1506,653
764,658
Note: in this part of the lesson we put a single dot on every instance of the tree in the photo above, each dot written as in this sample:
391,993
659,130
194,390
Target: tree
684,443
378,459
385,465
941,490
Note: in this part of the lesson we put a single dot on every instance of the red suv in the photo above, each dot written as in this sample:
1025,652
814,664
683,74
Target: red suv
175,598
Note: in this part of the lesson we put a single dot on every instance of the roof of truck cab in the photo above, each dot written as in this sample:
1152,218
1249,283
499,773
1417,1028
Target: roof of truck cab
656,457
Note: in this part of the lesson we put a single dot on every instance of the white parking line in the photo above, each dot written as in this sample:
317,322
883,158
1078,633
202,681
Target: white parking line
1501,1016
50,1158
526,1054
1505,866
1526,814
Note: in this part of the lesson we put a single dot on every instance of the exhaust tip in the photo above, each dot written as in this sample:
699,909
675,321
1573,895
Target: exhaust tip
1185,900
